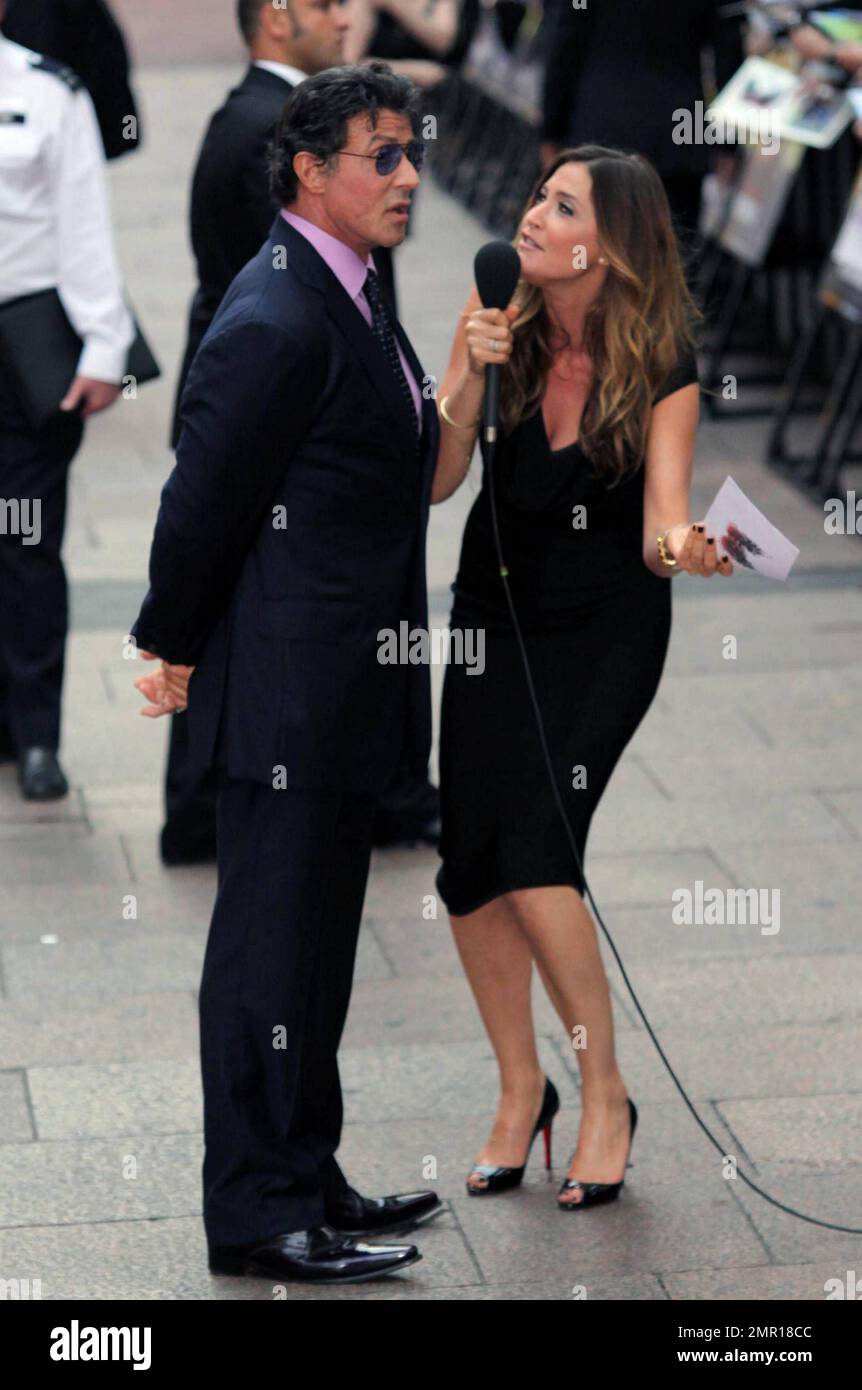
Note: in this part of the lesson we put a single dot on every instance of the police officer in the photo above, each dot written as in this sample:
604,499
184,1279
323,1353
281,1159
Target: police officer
55,232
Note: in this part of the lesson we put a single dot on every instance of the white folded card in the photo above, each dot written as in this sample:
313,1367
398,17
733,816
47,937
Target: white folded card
744,534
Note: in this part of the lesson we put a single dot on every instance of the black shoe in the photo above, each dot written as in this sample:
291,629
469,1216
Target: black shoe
317,1256
351,1214
501,1179
7,748
595,1193
40,775
407,833
174,851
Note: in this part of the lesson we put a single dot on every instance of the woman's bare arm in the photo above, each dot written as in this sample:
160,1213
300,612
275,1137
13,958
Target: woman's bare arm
668,468
466,393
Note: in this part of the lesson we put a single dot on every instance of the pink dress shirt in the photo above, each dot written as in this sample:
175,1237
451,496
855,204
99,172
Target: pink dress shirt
347,267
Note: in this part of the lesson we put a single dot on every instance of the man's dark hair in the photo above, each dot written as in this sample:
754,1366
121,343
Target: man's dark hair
318,110
248,17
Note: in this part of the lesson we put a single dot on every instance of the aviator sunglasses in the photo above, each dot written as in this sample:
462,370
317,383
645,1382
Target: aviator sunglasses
388,157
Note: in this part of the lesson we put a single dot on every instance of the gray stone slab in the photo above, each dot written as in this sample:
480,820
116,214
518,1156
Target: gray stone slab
128,960
95,1180
428,1079
90,1101
830,1196
166,1259
17,815
64,1031
649,932
16,1120
74,912
661,1229
417,949
408,1011
401,883
802,1132
848,803
649,878
734,993
721,1063
780,768
62,854
792,817
828,879
797,1283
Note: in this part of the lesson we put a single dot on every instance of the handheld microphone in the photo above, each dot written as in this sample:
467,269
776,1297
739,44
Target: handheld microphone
497,269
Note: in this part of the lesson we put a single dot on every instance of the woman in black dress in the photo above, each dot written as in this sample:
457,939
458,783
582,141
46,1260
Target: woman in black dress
599,410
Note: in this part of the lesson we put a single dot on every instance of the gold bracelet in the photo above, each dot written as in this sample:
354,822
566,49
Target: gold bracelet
664,554
448,418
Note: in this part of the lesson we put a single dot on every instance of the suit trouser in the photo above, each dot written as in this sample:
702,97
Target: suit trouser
277,976
34,464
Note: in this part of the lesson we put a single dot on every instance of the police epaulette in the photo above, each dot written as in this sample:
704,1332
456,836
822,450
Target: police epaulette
65,74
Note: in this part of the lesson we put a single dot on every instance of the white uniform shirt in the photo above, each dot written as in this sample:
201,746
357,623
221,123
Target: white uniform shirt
55,218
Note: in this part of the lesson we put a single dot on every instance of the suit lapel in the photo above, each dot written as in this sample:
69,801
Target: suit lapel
313,270
373,359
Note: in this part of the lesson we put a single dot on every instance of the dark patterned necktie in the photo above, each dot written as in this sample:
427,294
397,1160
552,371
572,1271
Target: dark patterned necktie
381,327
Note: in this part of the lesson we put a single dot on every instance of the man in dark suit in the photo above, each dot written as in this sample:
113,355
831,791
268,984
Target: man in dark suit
85,36
617,71
231,215
290,538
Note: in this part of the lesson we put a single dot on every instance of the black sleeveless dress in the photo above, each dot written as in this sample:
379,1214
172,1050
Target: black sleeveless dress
596,625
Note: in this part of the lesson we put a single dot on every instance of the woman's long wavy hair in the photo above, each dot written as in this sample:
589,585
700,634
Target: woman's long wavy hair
642,321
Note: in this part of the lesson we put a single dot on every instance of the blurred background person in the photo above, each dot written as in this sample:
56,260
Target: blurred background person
231,211
618,70
85,36
55,233
420,39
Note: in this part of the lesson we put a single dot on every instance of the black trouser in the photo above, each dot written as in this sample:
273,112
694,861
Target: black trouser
34,464
277,976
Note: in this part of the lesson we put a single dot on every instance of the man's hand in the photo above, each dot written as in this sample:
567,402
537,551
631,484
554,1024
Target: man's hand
167,689
95,395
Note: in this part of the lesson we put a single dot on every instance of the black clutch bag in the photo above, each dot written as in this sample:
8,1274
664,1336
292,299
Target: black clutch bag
39,349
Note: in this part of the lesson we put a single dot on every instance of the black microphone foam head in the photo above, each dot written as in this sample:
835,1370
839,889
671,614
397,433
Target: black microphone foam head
497,269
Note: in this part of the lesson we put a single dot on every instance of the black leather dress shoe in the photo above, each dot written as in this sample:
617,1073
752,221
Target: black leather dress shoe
408,833
40,775
174,851
317,1256
351,1214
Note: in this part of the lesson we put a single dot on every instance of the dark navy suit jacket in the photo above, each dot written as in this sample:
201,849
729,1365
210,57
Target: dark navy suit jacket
291,531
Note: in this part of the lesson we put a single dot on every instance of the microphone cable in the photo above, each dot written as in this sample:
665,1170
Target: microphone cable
488,446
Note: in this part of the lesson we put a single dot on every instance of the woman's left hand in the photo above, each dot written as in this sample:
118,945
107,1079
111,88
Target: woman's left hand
695,551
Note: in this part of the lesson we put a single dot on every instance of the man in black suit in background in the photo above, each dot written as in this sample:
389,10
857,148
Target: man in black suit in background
85,36
231,205
291,532
617,70
231,215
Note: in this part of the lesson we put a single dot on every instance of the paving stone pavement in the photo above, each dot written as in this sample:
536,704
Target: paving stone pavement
746,773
